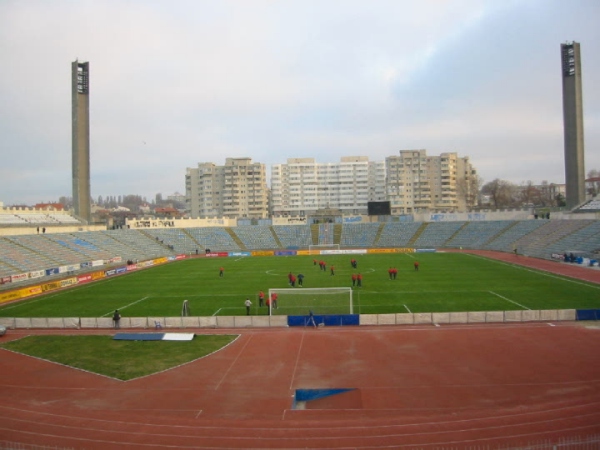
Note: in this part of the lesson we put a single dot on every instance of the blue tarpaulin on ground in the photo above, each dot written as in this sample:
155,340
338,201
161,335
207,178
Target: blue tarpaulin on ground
305,395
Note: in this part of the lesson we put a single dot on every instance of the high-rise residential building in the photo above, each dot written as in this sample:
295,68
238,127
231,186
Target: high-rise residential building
420,183
80,116
573,123
236,190
302,186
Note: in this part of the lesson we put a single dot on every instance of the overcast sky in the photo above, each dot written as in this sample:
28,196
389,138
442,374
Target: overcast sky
174,83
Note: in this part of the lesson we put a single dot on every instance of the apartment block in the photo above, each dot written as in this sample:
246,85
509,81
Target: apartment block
237,189
417,182
302,186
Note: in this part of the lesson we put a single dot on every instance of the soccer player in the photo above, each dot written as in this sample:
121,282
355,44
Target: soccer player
274,300
416,264
300,280
359,280
354,277
311,319
261,298
248,304
221,271
332,268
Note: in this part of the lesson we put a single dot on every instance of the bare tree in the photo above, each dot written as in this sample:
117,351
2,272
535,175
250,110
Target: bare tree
501,192
593,183
530,195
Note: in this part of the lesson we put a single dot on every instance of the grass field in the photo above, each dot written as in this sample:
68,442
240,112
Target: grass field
445,282
128,359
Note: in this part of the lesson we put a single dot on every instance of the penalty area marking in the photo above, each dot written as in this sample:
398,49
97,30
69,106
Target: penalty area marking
509,300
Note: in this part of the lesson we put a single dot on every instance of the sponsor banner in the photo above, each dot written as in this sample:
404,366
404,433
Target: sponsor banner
381,250
31,290
172,258
37,274
5,280
51,286
181,257
262,253
53,271
84,279
119,270
216,254
303,252
160,260
425,250
98,275
285,253
344,252
239,254
9,296
110,272
19,277
86,265
69,268
98,263
145,264
405,250
131,267
68,282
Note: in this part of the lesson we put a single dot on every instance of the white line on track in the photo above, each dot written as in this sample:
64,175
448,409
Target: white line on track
509,300
297,361
233,363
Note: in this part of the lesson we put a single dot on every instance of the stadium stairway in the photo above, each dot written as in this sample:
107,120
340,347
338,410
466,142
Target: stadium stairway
279,244
236,238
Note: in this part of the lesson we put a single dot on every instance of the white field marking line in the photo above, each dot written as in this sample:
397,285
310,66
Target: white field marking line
537,271
297,361
410,312
233,363
217,311
123,307
509,300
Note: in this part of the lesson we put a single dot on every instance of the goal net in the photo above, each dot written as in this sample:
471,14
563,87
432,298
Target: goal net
321,301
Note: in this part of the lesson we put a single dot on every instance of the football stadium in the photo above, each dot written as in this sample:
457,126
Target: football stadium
441,334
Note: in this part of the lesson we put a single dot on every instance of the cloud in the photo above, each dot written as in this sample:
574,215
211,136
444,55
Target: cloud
177,83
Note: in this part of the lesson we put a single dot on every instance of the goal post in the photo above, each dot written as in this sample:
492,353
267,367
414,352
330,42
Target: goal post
321,301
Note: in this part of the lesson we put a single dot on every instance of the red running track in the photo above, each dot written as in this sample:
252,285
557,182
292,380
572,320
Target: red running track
452,386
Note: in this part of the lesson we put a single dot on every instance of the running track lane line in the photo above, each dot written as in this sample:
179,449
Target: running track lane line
233,363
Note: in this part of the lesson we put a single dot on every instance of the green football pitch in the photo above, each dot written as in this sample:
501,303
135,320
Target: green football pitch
446,282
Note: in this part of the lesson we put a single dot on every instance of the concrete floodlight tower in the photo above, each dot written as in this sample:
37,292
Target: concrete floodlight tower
573,123
80,113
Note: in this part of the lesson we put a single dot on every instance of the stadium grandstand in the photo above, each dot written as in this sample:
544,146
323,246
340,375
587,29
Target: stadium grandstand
47,243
